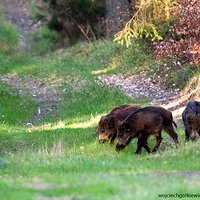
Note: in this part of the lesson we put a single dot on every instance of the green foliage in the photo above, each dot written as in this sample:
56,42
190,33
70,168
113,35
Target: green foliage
72,20
9,36
42,40
149,15
88,7
37,13
163,28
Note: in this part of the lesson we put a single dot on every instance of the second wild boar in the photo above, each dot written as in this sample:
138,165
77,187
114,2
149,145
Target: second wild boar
191,120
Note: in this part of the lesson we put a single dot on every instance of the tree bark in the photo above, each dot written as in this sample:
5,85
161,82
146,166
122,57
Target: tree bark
118,12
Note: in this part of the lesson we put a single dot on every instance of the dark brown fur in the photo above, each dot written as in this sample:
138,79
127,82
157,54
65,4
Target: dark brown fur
143,123
107,124
191,120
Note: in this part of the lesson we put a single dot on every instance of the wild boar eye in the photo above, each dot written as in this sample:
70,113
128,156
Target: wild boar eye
102,131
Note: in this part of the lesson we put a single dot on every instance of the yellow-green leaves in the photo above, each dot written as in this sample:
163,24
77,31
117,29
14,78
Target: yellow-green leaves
144,24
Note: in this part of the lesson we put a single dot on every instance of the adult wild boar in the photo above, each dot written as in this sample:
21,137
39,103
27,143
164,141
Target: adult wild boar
143,123
107,124
191,120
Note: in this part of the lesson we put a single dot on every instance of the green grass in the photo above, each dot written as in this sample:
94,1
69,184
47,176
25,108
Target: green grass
42,41
9,36
96,171
172,75
64,160
14,108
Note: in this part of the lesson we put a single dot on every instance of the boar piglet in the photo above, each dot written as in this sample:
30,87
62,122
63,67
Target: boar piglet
191,120
107,124
143,123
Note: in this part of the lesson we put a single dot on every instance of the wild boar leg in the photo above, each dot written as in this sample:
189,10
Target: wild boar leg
139,145
187,135
145,144
172,133
158,141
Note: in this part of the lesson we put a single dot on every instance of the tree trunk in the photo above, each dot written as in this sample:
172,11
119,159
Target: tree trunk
118,12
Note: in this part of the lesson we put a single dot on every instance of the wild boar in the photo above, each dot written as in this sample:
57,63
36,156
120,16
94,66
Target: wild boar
143,123
191,120
107,124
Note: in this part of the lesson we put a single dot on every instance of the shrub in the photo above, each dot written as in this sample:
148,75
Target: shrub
42,40
185,34
72,19
149,15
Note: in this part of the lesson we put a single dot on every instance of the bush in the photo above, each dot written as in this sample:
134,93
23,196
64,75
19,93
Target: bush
147,21
72,19
185,34
42,40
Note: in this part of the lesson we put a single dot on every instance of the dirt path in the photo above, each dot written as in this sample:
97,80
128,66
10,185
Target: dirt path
139,86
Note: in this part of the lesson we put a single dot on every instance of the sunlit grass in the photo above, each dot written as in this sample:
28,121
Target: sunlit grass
92,122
